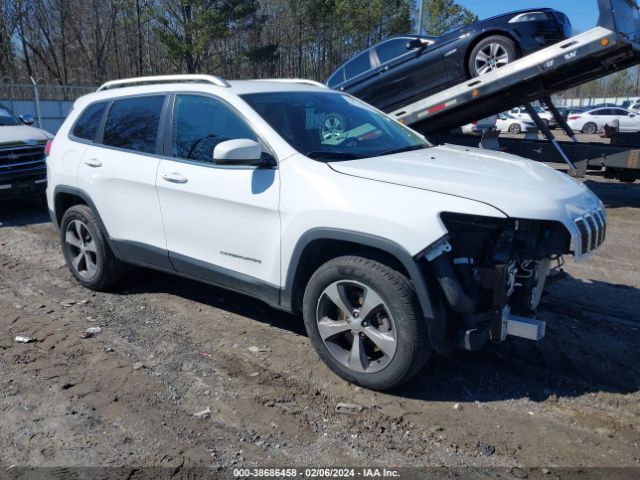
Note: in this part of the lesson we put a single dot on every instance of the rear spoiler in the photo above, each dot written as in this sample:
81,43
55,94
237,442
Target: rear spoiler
621,17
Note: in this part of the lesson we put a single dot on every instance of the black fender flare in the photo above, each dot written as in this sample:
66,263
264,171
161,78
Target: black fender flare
400,253
84,196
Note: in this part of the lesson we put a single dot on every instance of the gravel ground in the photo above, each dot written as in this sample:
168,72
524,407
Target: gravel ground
170,349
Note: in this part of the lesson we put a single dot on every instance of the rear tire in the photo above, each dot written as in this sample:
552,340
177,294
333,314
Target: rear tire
365,322
86,250
490,54
515,128
590,128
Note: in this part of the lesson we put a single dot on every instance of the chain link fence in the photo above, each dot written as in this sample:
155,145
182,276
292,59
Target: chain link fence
48,104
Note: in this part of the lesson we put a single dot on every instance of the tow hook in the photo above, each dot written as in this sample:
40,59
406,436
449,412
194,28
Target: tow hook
523,327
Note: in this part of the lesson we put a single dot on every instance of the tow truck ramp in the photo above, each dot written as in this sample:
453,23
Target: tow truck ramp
612,46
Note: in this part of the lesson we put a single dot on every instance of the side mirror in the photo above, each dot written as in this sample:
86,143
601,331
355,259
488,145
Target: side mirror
415,43
26,119
238,152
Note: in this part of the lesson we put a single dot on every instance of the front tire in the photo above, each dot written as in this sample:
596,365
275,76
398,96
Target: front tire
490,54
364,320
515,128
86,250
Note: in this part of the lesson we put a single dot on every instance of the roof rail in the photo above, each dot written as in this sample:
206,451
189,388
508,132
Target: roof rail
302,81
212,79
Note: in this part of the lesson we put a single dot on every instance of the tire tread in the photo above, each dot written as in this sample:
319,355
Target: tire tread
404,291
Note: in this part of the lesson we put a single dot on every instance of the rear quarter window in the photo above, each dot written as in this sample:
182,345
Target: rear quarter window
88,123
336,79
132,123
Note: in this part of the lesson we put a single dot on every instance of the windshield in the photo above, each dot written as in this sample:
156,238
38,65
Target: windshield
6,117
333,126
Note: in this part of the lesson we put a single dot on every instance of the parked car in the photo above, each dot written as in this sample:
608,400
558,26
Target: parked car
522,114
603,105
564,112
594,121
404,69
479,126
316,203
22,162
635,107
508,123
576,110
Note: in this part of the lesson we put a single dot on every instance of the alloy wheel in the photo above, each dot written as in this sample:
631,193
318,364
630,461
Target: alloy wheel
83,252
356,326
333,130
491,57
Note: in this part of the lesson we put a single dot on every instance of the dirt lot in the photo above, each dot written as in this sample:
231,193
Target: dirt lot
170,348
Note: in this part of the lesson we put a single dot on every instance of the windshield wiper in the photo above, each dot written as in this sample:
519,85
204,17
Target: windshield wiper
334,155
409,148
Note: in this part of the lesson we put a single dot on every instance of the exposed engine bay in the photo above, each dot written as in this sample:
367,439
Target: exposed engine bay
490,275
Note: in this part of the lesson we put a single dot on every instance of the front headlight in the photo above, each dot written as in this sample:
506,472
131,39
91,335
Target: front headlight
530,17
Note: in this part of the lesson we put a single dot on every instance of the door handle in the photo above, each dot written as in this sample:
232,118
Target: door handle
174,177
93,162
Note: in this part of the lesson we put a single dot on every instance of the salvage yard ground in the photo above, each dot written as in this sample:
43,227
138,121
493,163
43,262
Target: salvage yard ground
171,348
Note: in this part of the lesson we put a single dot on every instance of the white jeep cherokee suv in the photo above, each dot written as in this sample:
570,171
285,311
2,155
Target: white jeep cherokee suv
316,203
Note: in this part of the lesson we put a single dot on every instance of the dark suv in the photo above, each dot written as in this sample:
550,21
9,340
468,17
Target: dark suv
404,69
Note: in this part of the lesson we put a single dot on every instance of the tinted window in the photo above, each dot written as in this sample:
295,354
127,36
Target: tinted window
201,123
619,111
392,49
132,123
358,65
89,121
6,117
602,111
336,78
331,126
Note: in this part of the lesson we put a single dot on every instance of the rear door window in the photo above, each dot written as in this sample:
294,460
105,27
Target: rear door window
358,65
87,125
132,123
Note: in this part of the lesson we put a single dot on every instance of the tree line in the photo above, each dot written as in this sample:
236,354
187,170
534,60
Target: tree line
86,42
89,41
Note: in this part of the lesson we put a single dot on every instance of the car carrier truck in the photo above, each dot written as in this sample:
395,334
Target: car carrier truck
613,45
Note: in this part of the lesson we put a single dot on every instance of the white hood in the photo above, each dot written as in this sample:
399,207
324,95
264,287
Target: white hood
11,134
518,187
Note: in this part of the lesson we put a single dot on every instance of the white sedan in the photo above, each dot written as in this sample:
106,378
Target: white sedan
508,123
594,121
522,114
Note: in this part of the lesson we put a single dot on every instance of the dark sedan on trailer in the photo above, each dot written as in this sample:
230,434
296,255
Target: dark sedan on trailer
401,70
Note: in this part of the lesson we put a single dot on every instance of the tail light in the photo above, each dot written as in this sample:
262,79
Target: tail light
474,123
575,117
47,147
